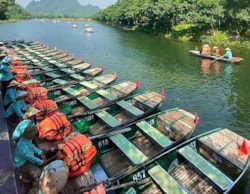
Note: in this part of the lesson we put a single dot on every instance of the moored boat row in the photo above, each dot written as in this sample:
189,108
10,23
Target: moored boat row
132,150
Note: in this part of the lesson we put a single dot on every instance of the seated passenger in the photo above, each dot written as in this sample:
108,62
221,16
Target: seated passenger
228,54
215,51
28,159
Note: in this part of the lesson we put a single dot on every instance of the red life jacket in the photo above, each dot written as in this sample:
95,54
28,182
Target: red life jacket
77,152
36,93
54,127
47,108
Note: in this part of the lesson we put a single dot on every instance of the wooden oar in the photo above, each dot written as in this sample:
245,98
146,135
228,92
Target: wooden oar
112,133
216,59
131,183
70,117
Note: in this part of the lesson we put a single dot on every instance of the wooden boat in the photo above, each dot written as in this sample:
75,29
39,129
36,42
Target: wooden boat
219,58
143,140
80,89
119,114
212,162
97,99
87,28
113,117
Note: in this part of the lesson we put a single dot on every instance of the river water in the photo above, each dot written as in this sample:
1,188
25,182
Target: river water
219,92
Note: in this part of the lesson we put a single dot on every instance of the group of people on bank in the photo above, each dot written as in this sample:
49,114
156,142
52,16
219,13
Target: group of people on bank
206,50
48,123
28,158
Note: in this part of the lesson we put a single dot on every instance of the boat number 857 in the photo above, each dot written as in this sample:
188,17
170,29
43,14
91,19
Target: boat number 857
139,175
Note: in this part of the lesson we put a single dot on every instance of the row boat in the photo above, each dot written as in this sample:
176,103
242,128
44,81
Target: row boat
212,162
147,138
113,117
219,58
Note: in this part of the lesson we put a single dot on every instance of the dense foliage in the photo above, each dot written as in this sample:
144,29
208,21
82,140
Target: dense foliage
205,20
9,10
61,8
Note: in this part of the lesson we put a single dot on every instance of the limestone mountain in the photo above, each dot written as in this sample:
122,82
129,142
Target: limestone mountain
61,8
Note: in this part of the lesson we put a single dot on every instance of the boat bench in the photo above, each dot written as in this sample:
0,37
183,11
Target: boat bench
60,81
53,75
109,119
31,81
87,102
165,181
130,108
106,95
46,68
71,91
89,85
156,135
77,76
214,174
129,149
67,70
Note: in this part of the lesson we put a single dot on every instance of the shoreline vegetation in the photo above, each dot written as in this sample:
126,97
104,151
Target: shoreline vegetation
219,38
223,23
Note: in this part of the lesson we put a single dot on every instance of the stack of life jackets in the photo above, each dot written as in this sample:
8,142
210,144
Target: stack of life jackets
54,127
23,75
36,93
47,108
77,152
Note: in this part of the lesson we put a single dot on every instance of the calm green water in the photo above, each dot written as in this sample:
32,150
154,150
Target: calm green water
219,92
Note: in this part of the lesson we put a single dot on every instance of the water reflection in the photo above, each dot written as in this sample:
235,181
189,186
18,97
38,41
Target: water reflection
216,67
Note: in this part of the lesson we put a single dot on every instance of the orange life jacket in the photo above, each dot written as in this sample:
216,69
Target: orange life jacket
54,127
18,68
23,76
16,63
99,189
32,85
77,152
47,108
36,93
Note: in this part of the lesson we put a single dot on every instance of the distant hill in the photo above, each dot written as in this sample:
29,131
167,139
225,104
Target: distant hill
61,8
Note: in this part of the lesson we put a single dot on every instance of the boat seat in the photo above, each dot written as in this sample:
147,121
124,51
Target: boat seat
165,181
215,175
156,135
89,85
46,68
129,149
106,95
77,76
67,70
109,119
60,81
87,102
71,91
53,75
31,81
130,108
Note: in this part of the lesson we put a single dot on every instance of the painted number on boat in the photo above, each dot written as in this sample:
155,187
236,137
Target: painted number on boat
73,102
57,92
49,83
103,143
90,117
139,175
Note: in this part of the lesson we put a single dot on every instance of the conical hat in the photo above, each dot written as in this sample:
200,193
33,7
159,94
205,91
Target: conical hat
13,83
30,112
21,94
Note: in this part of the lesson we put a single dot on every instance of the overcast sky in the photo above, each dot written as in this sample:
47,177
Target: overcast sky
100,3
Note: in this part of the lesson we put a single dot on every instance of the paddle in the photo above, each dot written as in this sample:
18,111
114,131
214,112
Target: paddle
70,117
112,133
216,59
131,183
